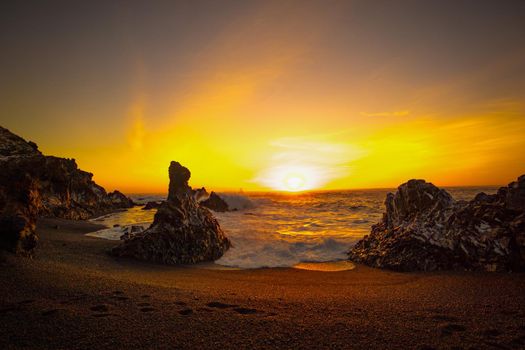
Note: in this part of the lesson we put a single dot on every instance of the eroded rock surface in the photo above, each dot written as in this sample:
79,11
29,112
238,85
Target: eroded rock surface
182,232
425,229
33,185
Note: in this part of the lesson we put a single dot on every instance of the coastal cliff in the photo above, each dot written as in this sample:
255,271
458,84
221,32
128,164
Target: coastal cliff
423,228
183,232
33,185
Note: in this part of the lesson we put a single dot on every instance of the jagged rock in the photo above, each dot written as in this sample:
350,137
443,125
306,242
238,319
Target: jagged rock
32,185
12,146
152,205
215,203
182,231
425,229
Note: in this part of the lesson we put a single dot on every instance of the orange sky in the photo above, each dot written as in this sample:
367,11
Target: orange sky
271,94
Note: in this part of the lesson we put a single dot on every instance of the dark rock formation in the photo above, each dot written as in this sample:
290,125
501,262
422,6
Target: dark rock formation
425,229
32,185
19,205
215,203
152,205
182,231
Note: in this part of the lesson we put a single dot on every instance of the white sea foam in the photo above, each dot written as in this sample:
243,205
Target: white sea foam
237,201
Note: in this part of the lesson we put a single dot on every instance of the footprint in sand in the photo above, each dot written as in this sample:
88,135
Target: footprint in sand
450,328
491,332
445,318
426,347
245,311
50,312
518,342
147,309
219,305
186,312
8,309
204,309
99,308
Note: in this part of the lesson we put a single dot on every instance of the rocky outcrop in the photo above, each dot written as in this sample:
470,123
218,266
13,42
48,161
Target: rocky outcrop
61,188
425,229
215,203
182,232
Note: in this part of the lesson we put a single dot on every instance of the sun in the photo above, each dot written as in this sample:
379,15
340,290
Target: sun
292,177
294,183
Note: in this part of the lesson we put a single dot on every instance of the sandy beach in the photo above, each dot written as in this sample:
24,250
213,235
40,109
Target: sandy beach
73,295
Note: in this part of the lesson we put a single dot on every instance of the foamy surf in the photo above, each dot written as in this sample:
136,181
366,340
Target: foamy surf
309,231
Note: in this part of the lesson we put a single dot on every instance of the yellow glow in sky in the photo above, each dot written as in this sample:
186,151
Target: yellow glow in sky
289,96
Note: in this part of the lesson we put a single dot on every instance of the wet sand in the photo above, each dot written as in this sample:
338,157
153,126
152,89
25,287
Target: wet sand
73,295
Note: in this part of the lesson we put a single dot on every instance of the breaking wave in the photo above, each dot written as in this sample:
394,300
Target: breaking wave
281,230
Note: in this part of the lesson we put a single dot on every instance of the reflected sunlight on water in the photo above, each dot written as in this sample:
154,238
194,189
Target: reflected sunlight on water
283,229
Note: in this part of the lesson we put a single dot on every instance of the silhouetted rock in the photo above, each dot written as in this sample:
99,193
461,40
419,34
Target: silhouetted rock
120,200
152,205
62,190
425,229
215,203
182,231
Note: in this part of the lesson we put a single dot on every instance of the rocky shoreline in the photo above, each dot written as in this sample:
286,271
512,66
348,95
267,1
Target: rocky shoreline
34,185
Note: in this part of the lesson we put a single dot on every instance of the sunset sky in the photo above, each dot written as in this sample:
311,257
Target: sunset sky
270,94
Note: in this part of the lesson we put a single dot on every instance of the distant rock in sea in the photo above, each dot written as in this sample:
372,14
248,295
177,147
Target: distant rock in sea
152,205
183,232
33,185
425,229
215,203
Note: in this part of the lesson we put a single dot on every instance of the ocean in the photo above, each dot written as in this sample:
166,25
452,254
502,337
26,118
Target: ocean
273,229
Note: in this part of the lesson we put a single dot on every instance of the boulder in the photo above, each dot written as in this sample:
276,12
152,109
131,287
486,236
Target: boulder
215,203
182,232
423,228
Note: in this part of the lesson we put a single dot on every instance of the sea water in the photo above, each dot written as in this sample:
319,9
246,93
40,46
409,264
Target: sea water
282,229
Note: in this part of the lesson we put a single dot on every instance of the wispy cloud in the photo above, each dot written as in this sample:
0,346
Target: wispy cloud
401,113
